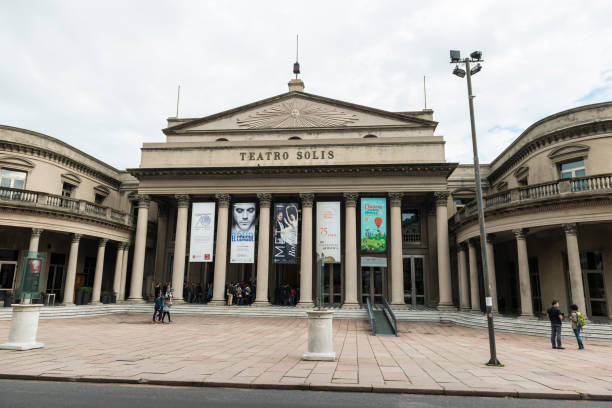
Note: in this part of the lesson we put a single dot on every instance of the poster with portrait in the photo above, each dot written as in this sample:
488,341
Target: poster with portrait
202,232
285,233
242,236
328,231
374,225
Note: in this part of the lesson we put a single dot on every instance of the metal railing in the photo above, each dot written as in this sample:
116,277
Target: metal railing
39,199
371,315
390,315
600,183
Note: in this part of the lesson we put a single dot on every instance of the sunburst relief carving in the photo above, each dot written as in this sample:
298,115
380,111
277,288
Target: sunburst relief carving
296,114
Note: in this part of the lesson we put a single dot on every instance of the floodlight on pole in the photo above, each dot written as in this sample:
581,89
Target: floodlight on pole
476,57
455,56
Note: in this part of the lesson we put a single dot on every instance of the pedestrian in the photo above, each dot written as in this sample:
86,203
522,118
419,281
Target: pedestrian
166,309
159,303
230,294
556,316
578,321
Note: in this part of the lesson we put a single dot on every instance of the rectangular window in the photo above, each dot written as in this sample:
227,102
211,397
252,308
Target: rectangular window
13,178
573,169
67,190
99,199
411,226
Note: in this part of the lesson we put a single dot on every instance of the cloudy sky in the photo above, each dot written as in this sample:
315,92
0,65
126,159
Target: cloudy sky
102,76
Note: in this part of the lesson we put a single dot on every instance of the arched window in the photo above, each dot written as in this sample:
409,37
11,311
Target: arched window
370,136
221,139
295,138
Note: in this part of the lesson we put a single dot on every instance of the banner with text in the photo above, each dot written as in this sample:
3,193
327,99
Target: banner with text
285,234
328,231
244,220
373,225
202,242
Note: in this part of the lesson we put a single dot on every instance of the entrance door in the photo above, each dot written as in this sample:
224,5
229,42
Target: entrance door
372,284
55,279
7,275
414,279
594,286
332,284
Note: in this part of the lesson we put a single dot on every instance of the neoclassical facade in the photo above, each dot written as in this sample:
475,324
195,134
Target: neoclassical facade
547,206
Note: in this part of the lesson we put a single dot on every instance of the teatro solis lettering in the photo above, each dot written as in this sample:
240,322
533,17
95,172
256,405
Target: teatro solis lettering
299,155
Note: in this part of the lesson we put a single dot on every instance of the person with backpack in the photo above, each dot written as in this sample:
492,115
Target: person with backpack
556,316
578,322
159,304
166,309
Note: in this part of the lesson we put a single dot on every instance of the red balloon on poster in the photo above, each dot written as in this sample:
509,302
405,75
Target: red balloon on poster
378,222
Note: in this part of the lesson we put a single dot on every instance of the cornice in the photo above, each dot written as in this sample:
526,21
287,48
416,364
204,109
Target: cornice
438,169
38,152
546,140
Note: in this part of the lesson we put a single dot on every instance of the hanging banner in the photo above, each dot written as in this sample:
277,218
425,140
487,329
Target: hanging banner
202,242
244,220
373,225
285,234
328,231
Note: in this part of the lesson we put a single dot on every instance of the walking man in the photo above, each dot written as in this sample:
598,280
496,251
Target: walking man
578,321
159,303
556,316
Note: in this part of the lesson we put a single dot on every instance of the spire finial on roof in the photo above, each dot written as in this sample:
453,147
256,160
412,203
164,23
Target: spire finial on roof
296,84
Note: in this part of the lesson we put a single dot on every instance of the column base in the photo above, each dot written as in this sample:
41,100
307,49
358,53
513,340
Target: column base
351,306
447,308
179,301
305,305
95,303
261,303
527,317
398,306
135,300
214,302
21,346
308,356
69,304
465,309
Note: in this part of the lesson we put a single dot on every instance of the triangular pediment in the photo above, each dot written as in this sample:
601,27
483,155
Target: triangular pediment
297,110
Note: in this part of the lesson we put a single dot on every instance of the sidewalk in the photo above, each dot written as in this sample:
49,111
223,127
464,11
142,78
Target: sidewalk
265,352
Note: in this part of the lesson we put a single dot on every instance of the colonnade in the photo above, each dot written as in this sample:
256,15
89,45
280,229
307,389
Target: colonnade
263,247
469,296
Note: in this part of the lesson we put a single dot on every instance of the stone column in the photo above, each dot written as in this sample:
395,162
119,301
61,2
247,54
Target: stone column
575,270
97,286
118,268
71,271
180,242
126,257
350,248
444,271
34,239
491,265
223,201
474,286
523,272
397,263
160,246
263,250
464,290
139,250
306,252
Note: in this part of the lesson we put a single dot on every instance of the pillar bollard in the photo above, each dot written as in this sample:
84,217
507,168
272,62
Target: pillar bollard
24,327
320,339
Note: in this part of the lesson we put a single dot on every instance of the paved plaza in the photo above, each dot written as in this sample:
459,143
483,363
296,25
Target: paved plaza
266,353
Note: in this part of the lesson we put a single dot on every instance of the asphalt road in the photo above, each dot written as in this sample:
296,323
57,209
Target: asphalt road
42,394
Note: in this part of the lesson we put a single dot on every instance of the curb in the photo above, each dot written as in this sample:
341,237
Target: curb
555,395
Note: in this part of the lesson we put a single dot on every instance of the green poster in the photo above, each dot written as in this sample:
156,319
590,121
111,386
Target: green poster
32,265
374,225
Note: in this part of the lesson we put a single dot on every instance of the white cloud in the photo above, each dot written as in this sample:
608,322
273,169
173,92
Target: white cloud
99,74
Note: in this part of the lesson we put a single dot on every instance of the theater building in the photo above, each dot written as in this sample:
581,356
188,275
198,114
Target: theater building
262,192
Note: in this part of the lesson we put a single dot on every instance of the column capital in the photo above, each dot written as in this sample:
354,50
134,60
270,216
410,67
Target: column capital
462,246
350,199
223,200
76,238
121,246
182,200
396,199
441,198
265,200
36,232
307,199
144,200
102,242
519,233
570,229
472,242
490,238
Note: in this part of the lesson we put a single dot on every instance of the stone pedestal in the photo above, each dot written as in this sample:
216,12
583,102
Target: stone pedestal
24,327
320,339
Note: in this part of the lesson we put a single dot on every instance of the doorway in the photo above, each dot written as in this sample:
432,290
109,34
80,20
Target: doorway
55,279
287,278
414,279
332,285
373,282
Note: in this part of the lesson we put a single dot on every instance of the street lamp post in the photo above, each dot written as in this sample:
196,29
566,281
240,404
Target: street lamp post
456,59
